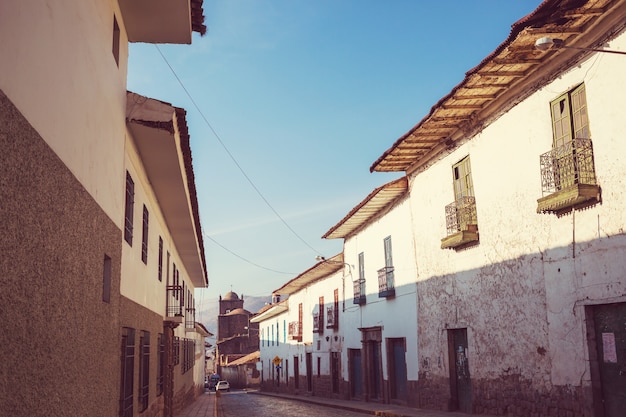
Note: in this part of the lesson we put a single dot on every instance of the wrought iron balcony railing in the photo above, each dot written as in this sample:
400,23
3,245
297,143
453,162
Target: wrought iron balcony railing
461,215
190,318
332,321
386,285
567,165
174,301
316,322
295,330
568,177
359,292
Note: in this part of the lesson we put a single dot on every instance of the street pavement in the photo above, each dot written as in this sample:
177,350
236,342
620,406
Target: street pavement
207,405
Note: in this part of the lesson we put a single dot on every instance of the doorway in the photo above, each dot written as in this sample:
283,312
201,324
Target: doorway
460,382
309,371
608,358
372,364
356,373
396,359
335,369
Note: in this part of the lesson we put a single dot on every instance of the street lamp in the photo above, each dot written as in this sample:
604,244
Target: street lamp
320,258
546,43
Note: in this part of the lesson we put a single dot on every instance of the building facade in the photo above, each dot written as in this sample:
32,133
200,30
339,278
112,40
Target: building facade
301,337
237,337
380,318
88,246
518,220
500,247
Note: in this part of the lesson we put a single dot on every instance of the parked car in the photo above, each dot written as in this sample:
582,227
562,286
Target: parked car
222,386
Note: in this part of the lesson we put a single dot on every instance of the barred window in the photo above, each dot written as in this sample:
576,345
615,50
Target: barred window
129,208
127,372
160,266
144,236
160,364
144,370
176,354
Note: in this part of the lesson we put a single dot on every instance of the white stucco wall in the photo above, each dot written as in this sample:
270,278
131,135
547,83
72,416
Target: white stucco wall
523,288
398,315
139,281
91,98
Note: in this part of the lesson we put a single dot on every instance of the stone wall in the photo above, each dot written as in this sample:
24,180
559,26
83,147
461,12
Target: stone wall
60,337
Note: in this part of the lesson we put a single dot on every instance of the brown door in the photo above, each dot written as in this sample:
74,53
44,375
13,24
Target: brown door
610,331
309,371
460,382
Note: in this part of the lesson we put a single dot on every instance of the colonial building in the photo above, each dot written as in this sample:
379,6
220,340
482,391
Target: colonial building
301,338
379,323
517,211
499,252
101,244
236,335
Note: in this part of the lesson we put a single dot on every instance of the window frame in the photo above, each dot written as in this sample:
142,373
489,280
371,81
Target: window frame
143,393
127,372
129,209
144,235
160,266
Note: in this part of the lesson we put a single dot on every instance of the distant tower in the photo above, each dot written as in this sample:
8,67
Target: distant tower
226,326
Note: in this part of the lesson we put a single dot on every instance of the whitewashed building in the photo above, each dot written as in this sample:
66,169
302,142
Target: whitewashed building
379,322
517,207
301,337
101,241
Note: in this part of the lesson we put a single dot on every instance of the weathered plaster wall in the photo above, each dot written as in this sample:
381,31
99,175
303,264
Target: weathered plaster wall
60,339
521,291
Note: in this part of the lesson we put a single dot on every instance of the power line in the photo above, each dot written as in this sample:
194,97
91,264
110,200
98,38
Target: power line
246,260
219,139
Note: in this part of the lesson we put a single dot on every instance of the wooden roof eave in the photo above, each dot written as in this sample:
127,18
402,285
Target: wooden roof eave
497,79
377,201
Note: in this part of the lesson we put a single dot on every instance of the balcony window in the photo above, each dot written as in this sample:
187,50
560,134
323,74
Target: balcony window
386,285
190,318
316,322
295,330
331,317
461,215
174,306
359,292
568,178
320,319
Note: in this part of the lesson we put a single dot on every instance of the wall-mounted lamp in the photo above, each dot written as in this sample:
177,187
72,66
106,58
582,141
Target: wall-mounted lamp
320,258
546,43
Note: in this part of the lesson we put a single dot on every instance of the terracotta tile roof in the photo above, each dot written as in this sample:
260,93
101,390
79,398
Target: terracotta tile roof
191,182
376,202
197,17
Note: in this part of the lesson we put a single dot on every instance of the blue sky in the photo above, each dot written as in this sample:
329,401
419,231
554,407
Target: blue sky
296,100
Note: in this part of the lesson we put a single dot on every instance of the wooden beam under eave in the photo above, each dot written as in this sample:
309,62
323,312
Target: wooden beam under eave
517,61
462,106
422,138
416,146
478,84
589,12
502,74
552,30
475,97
